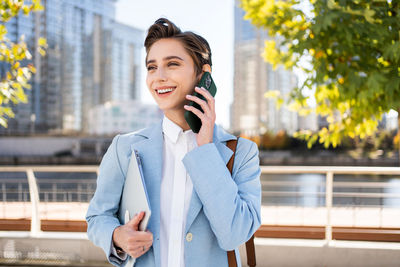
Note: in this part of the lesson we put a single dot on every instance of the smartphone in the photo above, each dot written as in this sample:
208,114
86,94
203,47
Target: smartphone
207,83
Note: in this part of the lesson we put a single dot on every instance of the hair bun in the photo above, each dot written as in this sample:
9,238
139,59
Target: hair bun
162,21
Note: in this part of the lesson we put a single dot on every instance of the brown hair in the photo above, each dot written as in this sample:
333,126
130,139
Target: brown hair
196,46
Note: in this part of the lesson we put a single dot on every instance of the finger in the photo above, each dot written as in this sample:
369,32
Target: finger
197,112
210,100
204,92
147,248
135,221
203,104
150,233
139,245
139,251
207,95
140,236
145,245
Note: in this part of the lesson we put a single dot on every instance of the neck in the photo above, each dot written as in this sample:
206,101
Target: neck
178,118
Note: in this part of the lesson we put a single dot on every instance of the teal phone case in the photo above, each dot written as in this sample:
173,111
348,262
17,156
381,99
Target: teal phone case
207,83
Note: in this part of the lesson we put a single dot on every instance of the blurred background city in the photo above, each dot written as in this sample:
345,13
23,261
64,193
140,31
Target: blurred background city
331,181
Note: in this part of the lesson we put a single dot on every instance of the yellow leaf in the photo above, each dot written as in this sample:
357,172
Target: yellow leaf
21,95
26,10
271,54
41,52
42,42
279,102
272,94
3,122
32,68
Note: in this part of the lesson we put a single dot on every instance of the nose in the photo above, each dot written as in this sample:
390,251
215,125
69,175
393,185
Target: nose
161,74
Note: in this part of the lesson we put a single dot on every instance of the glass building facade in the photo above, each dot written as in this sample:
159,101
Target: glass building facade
126,52
90,59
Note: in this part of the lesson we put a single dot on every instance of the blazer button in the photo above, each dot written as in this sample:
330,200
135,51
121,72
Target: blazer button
189,237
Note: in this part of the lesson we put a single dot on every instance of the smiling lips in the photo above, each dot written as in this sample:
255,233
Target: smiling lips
164,91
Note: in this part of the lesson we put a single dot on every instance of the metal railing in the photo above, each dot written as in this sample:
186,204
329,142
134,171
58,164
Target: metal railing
83,193
33,186
330,184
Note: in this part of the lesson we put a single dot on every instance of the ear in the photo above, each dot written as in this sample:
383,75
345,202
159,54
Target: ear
206,67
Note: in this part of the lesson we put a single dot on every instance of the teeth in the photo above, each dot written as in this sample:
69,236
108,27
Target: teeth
162,91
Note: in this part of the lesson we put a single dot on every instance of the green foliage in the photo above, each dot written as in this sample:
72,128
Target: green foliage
16,80
352,50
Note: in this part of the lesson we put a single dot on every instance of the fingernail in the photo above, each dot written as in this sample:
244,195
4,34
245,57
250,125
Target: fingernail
185,106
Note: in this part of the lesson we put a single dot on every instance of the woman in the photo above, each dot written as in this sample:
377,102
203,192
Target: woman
199,211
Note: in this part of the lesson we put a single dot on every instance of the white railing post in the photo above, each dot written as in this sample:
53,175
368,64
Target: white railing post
34,194
328,203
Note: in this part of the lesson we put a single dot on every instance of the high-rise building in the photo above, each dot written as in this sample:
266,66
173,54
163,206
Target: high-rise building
251,112
90,59
127,46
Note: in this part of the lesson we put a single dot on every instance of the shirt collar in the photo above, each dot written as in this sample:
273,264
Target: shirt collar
171,129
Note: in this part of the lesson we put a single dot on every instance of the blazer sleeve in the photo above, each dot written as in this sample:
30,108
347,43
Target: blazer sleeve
232,204
101,216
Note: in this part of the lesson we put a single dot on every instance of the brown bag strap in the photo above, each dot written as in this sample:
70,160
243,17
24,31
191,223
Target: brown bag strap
250,249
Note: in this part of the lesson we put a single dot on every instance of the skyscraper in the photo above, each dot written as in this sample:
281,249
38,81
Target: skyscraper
90,59
252,113
127,46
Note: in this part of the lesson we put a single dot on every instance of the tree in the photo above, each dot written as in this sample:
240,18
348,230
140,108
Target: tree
349,51
16,56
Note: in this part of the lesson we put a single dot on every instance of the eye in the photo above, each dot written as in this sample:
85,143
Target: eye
151,67
173,63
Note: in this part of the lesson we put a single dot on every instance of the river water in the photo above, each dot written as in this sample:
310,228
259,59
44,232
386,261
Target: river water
306,190
309,190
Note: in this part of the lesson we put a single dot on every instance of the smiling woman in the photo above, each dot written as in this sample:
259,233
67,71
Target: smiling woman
170,76
175,61
199,210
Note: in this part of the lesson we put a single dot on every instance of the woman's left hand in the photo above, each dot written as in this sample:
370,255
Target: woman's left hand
207,118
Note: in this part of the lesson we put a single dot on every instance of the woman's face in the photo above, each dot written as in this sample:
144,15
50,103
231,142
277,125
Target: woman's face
171,74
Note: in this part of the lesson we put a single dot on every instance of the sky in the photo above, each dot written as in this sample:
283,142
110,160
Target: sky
212,19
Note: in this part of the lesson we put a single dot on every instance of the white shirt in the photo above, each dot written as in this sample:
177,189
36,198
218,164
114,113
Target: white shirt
176,192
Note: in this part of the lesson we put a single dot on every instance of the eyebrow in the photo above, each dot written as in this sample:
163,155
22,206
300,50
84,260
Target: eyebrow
166,58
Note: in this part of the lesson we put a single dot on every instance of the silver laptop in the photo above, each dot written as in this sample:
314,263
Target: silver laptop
134,195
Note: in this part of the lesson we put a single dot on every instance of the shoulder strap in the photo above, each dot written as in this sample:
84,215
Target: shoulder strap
231,144
250,250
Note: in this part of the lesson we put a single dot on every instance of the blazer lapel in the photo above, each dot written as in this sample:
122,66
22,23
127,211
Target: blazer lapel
150,151
220,137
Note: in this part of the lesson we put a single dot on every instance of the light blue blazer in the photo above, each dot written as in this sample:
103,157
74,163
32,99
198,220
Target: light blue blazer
224,210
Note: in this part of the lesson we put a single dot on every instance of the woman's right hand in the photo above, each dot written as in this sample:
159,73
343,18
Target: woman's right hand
130,239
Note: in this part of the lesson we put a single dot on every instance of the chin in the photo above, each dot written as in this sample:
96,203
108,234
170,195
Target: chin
172,109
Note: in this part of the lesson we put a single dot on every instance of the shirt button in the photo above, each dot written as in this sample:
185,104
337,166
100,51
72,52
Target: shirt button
189,237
